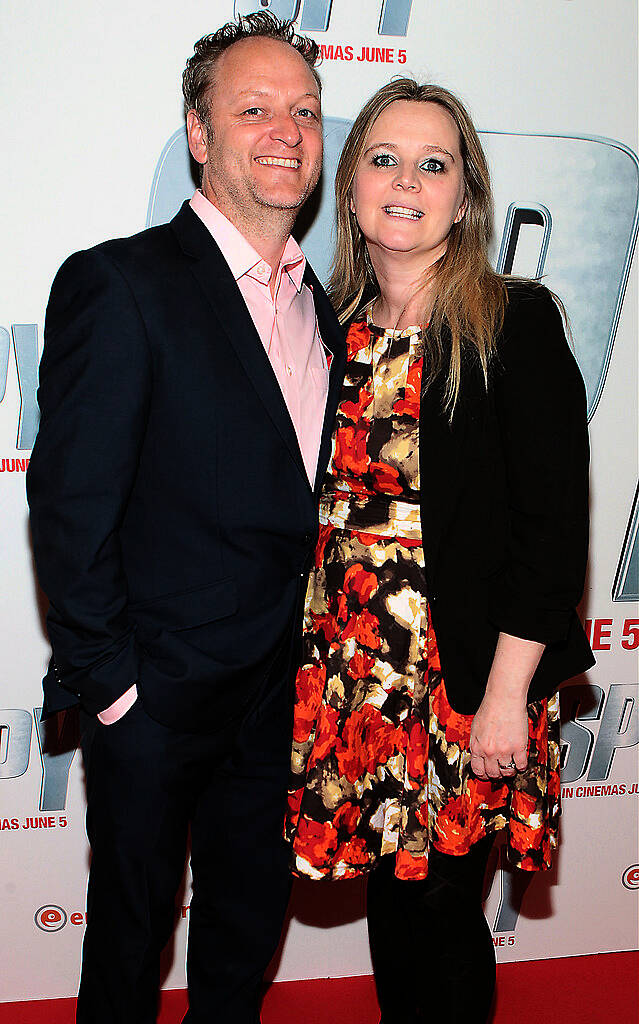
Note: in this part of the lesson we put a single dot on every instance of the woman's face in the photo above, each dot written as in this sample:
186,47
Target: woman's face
408,188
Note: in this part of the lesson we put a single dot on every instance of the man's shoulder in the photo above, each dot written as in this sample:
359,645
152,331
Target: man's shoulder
141,259
145,251
150,244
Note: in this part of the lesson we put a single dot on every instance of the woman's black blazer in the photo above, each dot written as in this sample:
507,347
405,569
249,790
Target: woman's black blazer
504,504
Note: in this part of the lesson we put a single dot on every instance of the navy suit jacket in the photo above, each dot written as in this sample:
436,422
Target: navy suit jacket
173,521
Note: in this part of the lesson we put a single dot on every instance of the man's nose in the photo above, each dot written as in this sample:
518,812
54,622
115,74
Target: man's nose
286,129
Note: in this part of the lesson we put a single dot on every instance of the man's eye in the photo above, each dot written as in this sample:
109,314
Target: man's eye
306,113
253,111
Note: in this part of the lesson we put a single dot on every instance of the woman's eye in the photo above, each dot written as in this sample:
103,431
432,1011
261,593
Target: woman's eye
433,166
384,160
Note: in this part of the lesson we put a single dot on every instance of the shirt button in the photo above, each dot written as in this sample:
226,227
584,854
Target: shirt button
289,370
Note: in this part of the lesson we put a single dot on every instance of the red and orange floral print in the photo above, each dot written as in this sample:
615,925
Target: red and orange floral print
381,762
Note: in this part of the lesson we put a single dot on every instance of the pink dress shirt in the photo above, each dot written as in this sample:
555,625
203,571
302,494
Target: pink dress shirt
285,320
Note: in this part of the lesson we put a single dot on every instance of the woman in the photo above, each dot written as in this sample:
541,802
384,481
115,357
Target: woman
440,615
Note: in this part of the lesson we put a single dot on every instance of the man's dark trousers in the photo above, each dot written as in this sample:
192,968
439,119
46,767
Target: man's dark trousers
145,784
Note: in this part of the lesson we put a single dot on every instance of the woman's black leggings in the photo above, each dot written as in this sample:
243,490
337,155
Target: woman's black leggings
431,946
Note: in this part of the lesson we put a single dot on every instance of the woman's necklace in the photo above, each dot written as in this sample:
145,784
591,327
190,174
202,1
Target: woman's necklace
374,310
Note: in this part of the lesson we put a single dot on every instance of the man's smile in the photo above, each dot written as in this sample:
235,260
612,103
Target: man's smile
279,161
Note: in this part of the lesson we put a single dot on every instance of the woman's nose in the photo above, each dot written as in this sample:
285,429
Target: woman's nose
407,180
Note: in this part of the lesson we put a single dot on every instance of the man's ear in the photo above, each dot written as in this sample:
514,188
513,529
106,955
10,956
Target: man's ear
196,135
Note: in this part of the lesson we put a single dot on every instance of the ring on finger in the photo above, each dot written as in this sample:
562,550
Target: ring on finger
511,764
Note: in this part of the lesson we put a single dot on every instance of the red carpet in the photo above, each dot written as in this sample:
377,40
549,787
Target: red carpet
600,989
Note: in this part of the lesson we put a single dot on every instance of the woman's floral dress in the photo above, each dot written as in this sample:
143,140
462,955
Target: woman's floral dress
381,762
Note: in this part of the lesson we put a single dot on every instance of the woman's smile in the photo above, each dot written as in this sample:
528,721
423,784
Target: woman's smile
405,212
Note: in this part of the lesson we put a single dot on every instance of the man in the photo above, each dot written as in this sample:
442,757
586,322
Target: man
187,405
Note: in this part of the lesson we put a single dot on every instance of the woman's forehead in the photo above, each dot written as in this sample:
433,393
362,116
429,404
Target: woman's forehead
416,119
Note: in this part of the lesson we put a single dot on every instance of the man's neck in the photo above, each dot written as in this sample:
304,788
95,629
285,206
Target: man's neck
268,239
267,230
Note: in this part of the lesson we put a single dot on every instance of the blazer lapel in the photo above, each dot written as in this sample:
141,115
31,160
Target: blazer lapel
332,335
221,291
440,449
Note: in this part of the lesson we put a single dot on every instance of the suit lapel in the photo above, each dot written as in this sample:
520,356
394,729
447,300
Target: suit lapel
221,291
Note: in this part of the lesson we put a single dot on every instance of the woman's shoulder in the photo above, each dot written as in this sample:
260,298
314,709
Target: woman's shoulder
534,336
531,309
526,297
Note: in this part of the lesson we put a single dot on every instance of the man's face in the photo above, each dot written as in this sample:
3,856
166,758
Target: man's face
263,149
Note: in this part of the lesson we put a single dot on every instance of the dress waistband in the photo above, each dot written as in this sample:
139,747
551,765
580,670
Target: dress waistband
380,515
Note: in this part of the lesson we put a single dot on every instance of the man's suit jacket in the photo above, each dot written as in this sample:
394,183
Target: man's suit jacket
173,521
504,504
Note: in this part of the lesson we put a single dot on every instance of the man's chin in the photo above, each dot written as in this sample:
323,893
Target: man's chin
283,197
278,201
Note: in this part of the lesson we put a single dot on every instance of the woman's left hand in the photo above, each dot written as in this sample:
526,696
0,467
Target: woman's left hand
499,737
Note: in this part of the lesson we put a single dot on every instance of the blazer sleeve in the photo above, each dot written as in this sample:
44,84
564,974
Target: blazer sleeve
95,383
540,402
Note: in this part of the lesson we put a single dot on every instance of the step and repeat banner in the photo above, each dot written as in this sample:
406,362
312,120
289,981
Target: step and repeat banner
94,147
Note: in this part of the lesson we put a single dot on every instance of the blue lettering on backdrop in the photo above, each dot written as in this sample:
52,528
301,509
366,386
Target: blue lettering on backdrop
512,887
56,755
5,345
393,21
286,10
626,585
25,348
618,727
517,216
582,703
316,14
15,742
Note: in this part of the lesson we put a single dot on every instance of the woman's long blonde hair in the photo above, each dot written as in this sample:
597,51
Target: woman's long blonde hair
469,296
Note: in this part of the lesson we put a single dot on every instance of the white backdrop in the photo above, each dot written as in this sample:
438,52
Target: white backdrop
91,100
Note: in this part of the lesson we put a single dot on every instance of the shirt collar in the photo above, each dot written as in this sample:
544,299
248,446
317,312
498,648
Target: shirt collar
237,251
293,262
